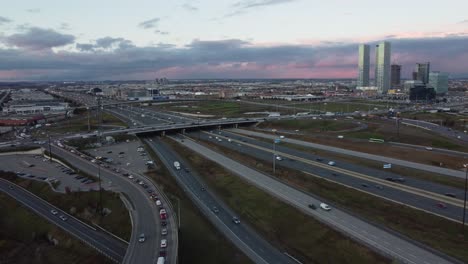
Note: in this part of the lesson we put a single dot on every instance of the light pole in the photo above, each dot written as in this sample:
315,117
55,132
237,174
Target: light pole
275,141
464,201
198,121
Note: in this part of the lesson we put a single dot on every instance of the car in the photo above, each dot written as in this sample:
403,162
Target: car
331,163
130,176
64,218
163,243
109,152
365,185
400,179
390,179
54,212
158,203
450,195
215,210
141,238
236,220
279,158
319,159
441,205
203,189
380,187
164,231
325,206
312,206
141,182
335,174
428,148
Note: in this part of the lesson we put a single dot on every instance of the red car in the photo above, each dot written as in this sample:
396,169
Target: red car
441,205
163,214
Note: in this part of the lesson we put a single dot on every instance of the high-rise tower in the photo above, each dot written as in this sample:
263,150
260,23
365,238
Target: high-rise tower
363,78
395,75
422,72
382,67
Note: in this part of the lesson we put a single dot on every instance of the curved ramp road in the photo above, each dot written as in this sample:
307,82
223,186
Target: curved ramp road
241,235
106,244
404,163
145,213
378,239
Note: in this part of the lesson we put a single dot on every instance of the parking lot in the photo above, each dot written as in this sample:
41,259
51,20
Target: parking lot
36,167
125,155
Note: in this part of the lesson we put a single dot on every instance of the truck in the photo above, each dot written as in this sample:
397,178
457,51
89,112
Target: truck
160,260
177,165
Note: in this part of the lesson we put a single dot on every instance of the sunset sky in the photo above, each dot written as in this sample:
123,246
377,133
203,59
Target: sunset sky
122,39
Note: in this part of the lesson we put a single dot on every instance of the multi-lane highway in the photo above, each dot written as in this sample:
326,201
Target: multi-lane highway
106,244
144,211
241,235
416,193
383,159
379,239
441,130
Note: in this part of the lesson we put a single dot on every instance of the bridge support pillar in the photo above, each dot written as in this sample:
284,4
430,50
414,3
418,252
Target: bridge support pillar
163,133
183,131
236,125
219,127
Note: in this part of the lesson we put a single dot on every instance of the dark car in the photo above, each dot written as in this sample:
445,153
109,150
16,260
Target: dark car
312,206
215,209
364,185
163,223
319,159
451,195
441,205
390,179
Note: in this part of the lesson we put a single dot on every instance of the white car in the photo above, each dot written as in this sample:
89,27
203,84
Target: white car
54,212
64,218
130,176
141,238
331,163
279,158
164,231
158,203
428,148
163,243
325,206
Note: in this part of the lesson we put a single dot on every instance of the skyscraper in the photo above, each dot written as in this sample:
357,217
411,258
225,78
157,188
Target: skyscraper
422,72
382,67
363,78
439,81
395,75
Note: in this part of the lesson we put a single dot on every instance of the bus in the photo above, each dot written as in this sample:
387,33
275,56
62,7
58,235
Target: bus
376,140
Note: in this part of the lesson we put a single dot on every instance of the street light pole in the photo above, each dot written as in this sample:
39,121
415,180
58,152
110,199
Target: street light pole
464,202
274,156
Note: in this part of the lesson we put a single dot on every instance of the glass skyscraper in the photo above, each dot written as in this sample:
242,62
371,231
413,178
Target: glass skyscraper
363,78
439,81
382,67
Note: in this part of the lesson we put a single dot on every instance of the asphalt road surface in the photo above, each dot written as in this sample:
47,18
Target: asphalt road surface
404,163
441,130
106,244
243,236
427,200
145,213
382,241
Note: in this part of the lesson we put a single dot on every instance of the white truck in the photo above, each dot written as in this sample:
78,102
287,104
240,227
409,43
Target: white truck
177,165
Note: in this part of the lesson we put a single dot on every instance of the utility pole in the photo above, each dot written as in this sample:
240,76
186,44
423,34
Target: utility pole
89,124
464,202
274,156
50,149
100,208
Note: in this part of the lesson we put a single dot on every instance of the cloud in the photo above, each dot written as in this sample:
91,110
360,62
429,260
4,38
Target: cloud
35,38
161,32
463,22
117,58
105,43
4,20
189,7
242,7
64,26
33,10
152,23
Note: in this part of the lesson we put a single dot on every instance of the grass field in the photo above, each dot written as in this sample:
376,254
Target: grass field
281,224
199,240
220,108
83,206
308,125
437,232
26,238
79,123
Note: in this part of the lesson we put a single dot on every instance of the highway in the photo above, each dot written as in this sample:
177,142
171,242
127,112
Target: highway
441,130
383,159
382,241
145,214
104,243
416,193
242,236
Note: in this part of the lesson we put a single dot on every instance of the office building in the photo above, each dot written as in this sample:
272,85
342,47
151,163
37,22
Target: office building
439,81
395,75
421,72
363,78
382,67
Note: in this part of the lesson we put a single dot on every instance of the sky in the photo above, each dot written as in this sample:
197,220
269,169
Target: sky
52,40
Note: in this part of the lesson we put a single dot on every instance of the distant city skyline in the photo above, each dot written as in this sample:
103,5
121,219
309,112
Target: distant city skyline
99,40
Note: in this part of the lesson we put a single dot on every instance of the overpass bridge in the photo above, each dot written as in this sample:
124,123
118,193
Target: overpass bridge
163,129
